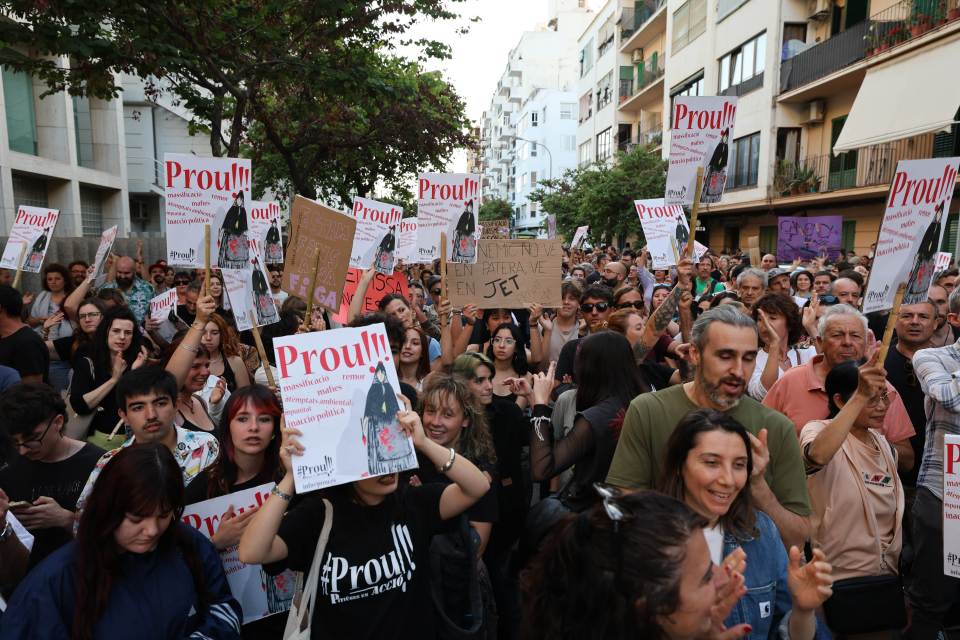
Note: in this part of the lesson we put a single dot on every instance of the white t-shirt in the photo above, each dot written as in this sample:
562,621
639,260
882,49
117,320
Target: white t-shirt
25,538
714,536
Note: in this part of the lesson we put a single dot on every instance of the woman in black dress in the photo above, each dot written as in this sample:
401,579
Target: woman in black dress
464,242
387,448
234,248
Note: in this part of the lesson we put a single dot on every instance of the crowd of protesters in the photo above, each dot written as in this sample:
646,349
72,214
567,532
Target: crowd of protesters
712,450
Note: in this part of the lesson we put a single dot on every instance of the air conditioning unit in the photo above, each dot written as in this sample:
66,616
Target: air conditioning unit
819,9
816,110
637,56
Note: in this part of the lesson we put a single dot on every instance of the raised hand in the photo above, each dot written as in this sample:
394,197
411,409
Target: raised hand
231,528
872,378
543,384
118,365
289,445
761,453
810,584
53,320
411,425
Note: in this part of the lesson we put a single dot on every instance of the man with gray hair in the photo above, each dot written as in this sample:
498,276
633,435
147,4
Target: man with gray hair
723,350
800,394
751,285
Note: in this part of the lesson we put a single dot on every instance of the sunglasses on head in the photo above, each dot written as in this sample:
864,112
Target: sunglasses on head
636,304
587,307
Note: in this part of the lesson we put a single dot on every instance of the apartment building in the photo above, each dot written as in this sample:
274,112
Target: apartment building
643,40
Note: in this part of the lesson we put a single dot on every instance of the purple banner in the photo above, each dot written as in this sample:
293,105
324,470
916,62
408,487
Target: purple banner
807,238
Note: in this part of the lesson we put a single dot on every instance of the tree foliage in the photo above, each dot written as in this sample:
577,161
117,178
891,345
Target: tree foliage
314,91
602,195
496,209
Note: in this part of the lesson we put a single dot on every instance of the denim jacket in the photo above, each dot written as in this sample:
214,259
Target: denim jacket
767,603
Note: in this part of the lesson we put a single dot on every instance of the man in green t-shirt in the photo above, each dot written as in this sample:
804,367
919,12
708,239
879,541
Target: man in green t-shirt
704,283
724,351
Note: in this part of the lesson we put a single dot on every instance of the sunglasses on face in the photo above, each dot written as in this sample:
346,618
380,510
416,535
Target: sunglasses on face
435,292
587,307
181,283
636,304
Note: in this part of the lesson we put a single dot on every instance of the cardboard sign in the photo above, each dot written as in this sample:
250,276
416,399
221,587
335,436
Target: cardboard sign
259,594
407,241
380,286
579,237
30,235
666,230
551,226
201,191
911,232
377,236
313,228
807,238
250,290
702,136
265,226
448,203
163,309
496,229
340,388
951,505
509,274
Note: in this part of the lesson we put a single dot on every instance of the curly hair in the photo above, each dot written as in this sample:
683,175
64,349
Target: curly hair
785,307
476,441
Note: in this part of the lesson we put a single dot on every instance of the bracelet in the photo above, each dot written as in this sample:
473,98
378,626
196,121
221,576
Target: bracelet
449,463
286,497
537,421
193,350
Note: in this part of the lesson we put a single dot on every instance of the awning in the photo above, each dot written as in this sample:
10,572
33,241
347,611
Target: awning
908,96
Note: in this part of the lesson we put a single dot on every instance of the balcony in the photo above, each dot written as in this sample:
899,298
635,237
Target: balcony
639,92
633,22
872,166
652,138
903,22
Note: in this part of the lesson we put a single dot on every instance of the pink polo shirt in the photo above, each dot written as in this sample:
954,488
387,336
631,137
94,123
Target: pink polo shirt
799,395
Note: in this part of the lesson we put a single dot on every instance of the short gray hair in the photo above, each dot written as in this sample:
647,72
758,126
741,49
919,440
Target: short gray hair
836,311
760,274
953,302
724,314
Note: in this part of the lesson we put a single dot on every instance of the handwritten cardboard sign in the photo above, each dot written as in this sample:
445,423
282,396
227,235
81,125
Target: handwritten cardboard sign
806,238
339,389
30,235
315,227
496,229
259,594
508,274
380,286
702,136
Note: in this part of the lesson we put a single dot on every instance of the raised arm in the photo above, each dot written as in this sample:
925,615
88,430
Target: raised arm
182,359
72,303
659,319
356,305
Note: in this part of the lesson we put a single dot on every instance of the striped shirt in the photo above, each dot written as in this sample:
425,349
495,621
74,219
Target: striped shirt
938,370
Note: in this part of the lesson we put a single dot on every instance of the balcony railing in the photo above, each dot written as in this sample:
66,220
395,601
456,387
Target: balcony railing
632,18
646,75
866,167
652,137
897,24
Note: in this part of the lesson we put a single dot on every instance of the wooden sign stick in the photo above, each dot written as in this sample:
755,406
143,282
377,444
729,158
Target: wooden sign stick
891,323
676,254
206,258
19,275
116,428
263,352
443,265
313,285
694,213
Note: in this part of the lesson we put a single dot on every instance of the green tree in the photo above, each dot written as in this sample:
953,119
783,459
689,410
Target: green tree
496,209
602,196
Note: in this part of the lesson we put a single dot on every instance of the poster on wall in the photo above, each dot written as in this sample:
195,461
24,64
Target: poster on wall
448,203
207,191
809,237
377,237
29,237
911,231
265,224
701,137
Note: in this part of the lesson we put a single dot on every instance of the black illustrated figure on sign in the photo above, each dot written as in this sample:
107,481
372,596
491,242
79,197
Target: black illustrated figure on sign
922,272
387,446
715,176
234,245
682,234
464,236
35,259
384,261
273,245
262,299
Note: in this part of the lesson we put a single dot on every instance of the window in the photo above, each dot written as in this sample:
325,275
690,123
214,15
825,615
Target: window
91,211
566,110
743,63
605,90
21,116
29,191
523,181
586,58
586,106
604,144
692,87
534,118
83,128
788,145
726,7
794,36
768,239
848,234
569,143
689,22
533,179
605,36
746,161
583,153
523,211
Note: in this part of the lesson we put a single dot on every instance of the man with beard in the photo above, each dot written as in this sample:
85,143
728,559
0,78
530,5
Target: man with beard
78,272
724,350
158,276
944,334
614,273
136,290
800,394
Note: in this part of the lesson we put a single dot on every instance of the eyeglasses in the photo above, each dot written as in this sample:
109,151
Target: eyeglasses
181,283
34,443
587,307
636,304
508,342
89,316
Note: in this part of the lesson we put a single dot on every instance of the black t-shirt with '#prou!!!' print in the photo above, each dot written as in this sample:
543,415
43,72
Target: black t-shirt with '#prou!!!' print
374,582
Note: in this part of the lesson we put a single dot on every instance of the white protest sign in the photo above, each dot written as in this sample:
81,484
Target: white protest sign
448,203
107,239
665,228
579,237
259,594
163,309
340,390
911,232
701,134
951,505
376,239
551,226
265,230
30,234
942,261
201,191
250,290
407,241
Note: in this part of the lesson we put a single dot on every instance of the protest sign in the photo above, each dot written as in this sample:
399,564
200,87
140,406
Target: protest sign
207,191
163,309
407,241
375,241
29,237
448,203
317,228
806,238
942,261
250,290
911,232
265,230
107,239
496,229
951,505
260,595
508,274
339,389
380,286
579,237
551,226
700,138
665,228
